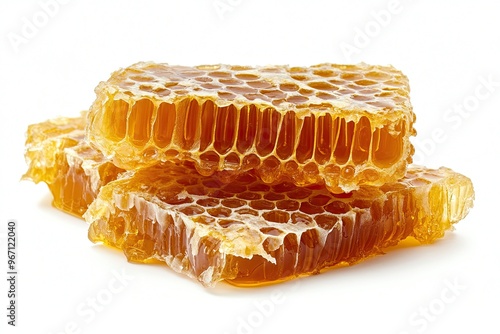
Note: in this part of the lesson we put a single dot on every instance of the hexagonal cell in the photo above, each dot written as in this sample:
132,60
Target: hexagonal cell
271,231
142,78
230,81
262,204
234,188
297,99
247,76
204,79
247,211
289,87
187,181
217,193
233,203
259,187
208,202
301,218
196,190
220,74
260,84
299,193
322,85
338,207
219,212
326,73
225,223
284,187
310,209
192,210
326,221
288,205
276,216
273,93
249,196
272,196
226,95
319,200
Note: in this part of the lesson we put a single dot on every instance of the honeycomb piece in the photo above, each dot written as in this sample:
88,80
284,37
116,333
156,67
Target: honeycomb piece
250,233
347,125
57,154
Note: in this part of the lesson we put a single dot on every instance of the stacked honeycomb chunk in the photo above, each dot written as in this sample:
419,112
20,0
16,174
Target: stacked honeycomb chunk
58,155
343,125
248,175
248,232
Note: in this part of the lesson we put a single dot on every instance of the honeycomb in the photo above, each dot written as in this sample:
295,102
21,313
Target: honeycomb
58,155
343,125
248,232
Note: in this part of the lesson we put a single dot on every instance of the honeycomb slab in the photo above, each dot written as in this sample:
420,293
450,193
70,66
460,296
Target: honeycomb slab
250,233
57,154
342,125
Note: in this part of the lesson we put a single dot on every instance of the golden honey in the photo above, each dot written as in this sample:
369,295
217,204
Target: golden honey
249,232
57,154
251,175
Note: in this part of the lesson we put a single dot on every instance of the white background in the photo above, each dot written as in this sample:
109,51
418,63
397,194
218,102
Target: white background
448,52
